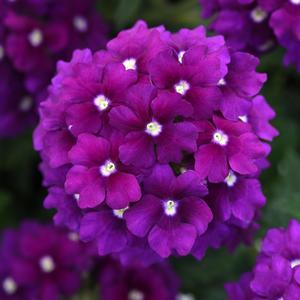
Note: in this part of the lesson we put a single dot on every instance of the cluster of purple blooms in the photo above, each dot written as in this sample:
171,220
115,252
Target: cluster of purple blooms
276,275
45,263
33,36
154,146
256,26
40,262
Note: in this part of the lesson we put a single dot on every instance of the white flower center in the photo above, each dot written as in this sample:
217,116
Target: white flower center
136,295
26,103
182,87
185,297
153,128
220,138
73,236
101,102
108,168
35,37
1,52
119,213
295,263
231,179
76,197
47,264
244,118
222,82
170,207
80,23
297,2
129,64
180,56
258,15
9,286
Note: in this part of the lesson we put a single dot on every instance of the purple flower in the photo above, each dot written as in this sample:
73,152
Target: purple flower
151,283
34,35
276,273
41,262
171,213
97,176
226,144
151,131
153,146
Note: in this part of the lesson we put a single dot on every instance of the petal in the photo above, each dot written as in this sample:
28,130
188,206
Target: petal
143,215
138,150
180,237
211,162
196,212
122,189
89,150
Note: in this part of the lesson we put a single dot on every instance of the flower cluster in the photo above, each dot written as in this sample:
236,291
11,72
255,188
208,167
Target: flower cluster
154,146
33,36
276,273
40,262
137,283
258,25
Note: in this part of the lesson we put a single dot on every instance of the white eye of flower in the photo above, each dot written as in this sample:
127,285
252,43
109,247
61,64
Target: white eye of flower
295,263
220,138
222,82
180,56
170,207
120,212
258,15
243,118
9,286
73,236
231,179
26,103
297,2
135,295
47,264
108,168
129,64
153,128
76,197
182,87
35,37
101,102
80,23
1,52
185,297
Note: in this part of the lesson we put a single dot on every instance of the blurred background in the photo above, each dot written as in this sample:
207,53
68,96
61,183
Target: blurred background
21,192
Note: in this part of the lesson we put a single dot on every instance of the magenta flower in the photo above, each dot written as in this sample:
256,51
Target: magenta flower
135,282
41,262
226,144
171,213
276,273
95,160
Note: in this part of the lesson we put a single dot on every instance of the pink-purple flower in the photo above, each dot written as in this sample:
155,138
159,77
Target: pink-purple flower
257,26
34,35
41,262
276,273
154,146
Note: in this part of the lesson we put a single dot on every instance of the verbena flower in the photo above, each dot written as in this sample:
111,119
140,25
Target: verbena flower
135,282
34,35
257,26
276,273
152,149
41,262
